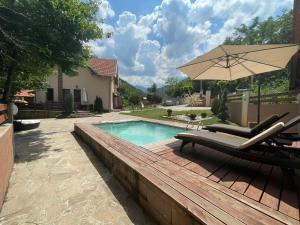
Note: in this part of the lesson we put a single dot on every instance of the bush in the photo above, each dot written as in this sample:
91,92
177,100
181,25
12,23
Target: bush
98,105
192,116
154,98
69,104
223,109
169,111
215,106
192,100
134,99
203,114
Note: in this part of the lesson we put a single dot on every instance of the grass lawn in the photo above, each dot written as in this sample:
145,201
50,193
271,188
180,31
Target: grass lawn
156,113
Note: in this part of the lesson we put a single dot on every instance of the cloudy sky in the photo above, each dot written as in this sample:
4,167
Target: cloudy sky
153,37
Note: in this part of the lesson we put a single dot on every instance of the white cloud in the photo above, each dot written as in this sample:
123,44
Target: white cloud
105,10
150,47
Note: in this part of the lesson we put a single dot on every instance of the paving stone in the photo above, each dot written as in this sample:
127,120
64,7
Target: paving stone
58,181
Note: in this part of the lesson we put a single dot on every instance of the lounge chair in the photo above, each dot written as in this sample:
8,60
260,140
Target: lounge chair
254,149
245,131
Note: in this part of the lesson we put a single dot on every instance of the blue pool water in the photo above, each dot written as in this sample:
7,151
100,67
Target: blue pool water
140,132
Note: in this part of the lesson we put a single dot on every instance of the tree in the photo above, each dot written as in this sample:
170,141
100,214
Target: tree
69,104
152,88
134,99
36,35
98,105
271,31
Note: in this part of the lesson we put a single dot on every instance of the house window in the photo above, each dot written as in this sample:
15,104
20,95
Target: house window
50,94
77,95
66,93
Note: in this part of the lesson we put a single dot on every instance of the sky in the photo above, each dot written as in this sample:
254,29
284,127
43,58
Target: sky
151,38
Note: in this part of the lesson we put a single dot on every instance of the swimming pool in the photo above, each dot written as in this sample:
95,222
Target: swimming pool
140,132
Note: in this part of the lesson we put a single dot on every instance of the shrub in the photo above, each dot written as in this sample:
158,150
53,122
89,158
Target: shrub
223,109
169,111
98,105
191,100
154,98
203,114
215,106
134,99
192,116
69,104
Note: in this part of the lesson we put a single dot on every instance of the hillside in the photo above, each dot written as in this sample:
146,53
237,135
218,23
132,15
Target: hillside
127,89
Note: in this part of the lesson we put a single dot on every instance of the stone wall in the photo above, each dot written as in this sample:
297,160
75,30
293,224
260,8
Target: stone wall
6,158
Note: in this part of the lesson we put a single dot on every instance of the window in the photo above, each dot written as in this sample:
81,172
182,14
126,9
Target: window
50,95
66,93
77,95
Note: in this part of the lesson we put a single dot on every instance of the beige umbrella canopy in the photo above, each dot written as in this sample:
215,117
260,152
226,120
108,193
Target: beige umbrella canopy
231,62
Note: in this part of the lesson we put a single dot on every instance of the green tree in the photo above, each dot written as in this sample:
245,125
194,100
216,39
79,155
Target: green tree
276,30
152,88
69,104
98,105
36,35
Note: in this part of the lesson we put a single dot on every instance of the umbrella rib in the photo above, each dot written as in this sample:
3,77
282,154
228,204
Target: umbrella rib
266,64
207,69
241,63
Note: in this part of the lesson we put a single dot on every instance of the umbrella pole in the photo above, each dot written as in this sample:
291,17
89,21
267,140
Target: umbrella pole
258,102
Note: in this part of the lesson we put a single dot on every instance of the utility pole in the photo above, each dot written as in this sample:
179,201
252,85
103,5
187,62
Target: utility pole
295,72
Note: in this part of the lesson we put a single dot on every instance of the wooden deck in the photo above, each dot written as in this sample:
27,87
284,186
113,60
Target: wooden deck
244,180
199,185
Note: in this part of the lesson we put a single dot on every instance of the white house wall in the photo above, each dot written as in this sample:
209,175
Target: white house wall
94,85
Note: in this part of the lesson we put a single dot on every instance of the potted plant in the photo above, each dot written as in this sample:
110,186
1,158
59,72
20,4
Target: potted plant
192,116
169,111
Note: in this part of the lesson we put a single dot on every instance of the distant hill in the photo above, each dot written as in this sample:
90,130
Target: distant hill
127,89
143,89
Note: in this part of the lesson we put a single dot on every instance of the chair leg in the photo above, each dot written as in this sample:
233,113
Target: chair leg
183,144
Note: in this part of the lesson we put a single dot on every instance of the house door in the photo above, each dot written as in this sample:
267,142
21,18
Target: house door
77,98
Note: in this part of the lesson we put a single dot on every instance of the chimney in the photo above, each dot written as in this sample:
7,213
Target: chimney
295,73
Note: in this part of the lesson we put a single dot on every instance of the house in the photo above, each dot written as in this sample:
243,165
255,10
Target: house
99,78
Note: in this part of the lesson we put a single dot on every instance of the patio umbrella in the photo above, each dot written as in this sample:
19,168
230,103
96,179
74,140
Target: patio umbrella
231,62
84,96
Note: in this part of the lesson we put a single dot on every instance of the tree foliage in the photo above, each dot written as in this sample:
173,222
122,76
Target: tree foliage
276,30
98,105
36,35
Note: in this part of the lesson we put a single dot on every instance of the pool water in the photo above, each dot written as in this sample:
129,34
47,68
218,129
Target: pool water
140,132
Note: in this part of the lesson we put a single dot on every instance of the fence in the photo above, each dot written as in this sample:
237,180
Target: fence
243,108
3,113
276,98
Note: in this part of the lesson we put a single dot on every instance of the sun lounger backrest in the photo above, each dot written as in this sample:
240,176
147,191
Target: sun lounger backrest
292,122
257,139
265,124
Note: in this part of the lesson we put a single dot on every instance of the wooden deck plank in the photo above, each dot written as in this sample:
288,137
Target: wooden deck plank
201,212
246,186
256,187
243,181
235,208
205,167
271,194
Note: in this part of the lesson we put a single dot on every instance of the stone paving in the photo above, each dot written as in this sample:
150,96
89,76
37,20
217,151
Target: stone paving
58,180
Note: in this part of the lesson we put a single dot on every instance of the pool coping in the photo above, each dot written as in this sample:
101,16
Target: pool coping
132,166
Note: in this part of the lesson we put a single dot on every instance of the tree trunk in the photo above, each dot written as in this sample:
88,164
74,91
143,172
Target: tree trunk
11,75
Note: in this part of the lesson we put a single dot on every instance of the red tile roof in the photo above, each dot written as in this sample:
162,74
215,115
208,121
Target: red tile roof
25,93
104,67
